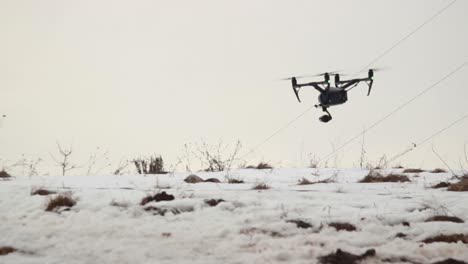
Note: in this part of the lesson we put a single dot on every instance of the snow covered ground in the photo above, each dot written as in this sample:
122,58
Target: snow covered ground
251,226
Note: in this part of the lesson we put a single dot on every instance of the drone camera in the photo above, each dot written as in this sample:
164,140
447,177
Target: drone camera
371,74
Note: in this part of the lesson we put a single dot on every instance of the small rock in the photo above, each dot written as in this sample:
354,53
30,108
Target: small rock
213,202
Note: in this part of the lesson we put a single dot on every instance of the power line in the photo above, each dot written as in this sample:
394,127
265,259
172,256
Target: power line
394,111
428,138
253,149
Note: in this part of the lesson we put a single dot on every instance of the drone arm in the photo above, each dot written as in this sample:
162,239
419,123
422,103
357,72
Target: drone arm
316,85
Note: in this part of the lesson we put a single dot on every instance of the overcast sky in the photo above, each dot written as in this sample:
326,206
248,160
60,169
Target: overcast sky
143,77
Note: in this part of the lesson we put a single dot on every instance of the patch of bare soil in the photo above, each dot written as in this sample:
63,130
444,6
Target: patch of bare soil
343,257
445,218
450,261
213,202
4,175
255,230
438,170
62,201
342,226
441,185
235,181
163,196
300,223
413,171
454,238
42,192
7,250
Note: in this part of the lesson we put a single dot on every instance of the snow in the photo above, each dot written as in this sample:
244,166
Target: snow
249,227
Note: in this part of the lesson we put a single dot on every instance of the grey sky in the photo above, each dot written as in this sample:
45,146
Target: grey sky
142,77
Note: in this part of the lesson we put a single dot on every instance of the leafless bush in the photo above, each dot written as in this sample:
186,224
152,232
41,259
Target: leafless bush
261,186
4,174
313,161
42,192
64,162
97,162
60,202
460,186
233,180
260,166
215,157
151,165
374,177
342,226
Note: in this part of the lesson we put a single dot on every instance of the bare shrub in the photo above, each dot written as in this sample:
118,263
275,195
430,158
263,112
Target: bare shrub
60,202
260,166
217,157
41,192
374,177
64,161
438,170
460,186
253,230
151,165
7,250
413,171
445,218
261,186
4,174
342,226
454,238
233,180
305,181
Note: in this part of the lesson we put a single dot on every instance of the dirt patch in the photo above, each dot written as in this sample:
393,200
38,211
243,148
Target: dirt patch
450,261
7,250
438,170
342,226
255,230
212,180
261,186
461,186
377,177
62,202
343,257
447,238
163,196
161,211
213,202
42,192
445,218
441,185
4,175
235,181
401,235
300,223
413,171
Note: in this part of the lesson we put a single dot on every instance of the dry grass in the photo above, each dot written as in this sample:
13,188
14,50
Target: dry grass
413,171
260,166
342,226
445,218
4,175
300,223
438,170
461,186
7,250
253,230
305,181
235,181
61,201
261,186
454,238
377,177
42,192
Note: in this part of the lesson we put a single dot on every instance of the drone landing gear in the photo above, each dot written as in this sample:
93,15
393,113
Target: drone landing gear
325,118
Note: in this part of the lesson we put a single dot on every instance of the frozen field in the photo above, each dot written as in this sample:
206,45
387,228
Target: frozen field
108,224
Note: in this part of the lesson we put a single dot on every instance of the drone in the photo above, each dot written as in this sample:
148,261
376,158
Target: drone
329,95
